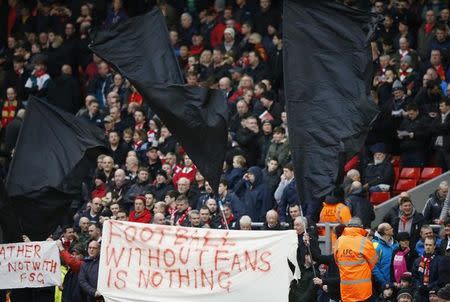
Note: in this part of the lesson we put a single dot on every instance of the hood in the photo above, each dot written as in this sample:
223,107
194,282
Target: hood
258,175
354,231
379,238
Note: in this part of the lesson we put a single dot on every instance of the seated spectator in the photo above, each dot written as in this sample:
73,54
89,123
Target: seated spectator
271,223
161,185
166,142
93,211
159,218
404,295
39,81
236,173
92,114
257,68
227,219
188,171
194,219
408,220
445,243
272,110
378,174
426,232
100,186
83,233
140,213
245,223
226,196
139,188
95,232
181,216
433,207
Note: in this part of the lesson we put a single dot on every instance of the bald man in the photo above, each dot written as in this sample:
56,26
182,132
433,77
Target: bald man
272,222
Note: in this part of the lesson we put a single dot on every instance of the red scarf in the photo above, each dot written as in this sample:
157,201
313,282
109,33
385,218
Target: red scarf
441,72
183,217
39,73
135,97
424,267
229,220
8,112
428,28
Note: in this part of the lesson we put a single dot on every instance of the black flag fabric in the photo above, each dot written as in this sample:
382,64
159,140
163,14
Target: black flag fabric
140,49
327,61
54,152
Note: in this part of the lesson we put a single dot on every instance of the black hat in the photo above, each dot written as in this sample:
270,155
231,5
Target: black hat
268,95
444,293
389,285
162,173
378,148
403,293
101,176
152,147
401,236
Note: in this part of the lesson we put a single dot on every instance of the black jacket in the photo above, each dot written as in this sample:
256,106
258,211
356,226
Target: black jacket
438,128
417,223
433,207
88,278
420,131
379,174
361,207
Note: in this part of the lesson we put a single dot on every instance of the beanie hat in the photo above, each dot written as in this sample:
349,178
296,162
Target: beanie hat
140,197
444,293
162,173
230,31
404,293
378,148
406,276
406,59
401,236
101,176
397,86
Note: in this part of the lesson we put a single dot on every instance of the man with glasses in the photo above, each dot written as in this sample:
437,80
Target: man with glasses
384,245
89,272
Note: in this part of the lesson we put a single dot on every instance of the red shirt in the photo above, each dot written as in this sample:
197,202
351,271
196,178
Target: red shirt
144,217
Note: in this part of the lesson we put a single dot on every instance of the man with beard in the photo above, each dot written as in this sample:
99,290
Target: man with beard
379,172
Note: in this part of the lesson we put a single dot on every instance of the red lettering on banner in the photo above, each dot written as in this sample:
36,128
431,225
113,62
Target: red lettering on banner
180,236
205,277
225,241
217,257
236,261
111,254
181,277
185,260
195,238
28,251
37,249
248,260
150,257
121,283
208,239
263,259
112,234
162,234
228,283
157,279
143,232
166,261
170,271
108,283
200,256
195,278
130,233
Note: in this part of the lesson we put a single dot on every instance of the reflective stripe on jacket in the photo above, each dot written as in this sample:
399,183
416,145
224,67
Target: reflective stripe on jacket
355,257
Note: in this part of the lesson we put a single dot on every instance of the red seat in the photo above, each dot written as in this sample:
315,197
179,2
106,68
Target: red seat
379,197
410,173
395,161
397,173
430,173
405,185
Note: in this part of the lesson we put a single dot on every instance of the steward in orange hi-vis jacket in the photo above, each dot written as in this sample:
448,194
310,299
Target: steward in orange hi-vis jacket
356,257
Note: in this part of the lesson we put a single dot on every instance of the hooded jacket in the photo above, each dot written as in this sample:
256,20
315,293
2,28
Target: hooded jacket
255,196
385,250
361,207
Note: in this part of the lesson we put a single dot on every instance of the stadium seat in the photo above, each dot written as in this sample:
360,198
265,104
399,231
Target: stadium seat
396,173
379,197
430,173
405,185
410,173
395,161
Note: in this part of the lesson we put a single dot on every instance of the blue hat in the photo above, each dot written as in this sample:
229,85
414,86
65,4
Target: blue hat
378,148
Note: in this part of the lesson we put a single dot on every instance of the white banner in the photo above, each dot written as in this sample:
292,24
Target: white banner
145,262
29,264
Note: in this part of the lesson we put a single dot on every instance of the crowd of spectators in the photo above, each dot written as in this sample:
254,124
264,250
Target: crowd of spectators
237,47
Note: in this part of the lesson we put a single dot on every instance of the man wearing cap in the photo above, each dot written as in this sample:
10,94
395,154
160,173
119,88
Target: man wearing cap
161,186
407,75
140,213
444,294
404,295
378,174
355,257
154,162
229,45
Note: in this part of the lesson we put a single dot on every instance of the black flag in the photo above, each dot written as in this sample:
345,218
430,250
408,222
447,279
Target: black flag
327,61
54,152
140,49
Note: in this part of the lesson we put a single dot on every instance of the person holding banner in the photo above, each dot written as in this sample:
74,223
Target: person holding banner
89,273
71,291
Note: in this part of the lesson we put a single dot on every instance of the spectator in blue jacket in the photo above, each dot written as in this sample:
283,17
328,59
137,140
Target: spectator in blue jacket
385,245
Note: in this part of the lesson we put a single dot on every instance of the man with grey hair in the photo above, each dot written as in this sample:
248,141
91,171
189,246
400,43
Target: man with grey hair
359,204
433,206
272,223
245,223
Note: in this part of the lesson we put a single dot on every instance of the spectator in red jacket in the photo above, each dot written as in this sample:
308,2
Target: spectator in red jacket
140,213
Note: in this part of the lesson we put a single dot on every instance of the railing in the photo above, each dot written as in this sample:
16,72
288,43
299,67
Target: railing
324,241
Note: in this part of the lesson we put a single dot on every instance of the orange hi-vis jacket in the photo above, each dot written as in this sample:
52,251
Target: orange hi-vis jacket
334,213
356,257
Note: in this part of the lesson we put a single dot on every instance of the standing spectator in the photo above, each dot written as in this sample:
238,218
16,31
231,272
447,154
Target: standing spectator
139,188
440,129
89,273
254,194
140,213
359,205
426,232
445,243
355,271
408,220
426,271
279,148
413,135
426,34
116,14
271,223
74,260
99,85
257,68
384,245
247,138
181,216
226,196
403,258
39,81
433,207
118,150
